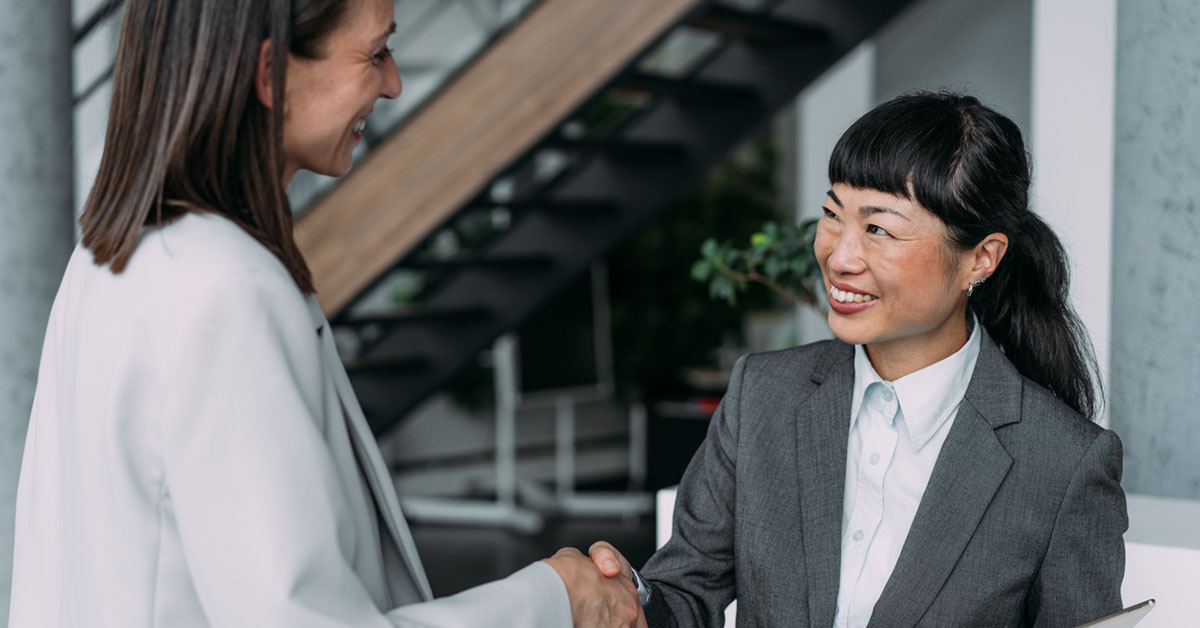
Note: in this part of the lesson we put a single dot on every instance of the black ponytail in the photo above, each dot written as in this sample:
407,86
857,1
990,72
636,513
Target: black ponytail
966,163
1024,307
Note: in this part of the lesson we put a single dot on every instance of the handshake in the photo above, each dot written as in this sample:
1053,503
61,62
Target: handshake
600,587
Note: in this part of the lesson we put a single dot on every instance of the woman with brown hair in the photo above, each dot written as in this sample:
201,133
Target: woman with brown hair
195,455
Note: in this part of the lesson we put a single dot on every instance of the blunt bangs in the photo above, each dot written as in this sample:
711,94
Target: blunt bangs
910,147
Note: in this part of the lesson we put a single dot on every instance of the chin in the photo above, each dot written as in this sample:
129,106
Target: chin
332,170
849,332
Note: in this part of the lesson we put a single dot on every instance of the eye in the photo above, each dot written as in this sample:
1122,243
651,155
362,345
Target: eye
383,55
877,230
829,213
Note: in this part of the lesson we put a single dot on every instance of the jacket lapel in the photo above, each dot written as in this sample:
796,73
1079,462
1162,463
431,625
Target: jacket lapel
822,430
968,472
367,453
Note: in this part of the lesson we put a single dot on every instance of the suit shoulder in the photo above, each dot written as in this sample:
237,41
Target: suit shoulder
204,265
1052,413
1052,430
196,246
790,367
803,356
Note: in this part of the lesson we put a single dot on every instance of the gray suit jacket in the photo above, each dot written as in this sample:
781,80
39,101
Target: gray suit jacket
1020,525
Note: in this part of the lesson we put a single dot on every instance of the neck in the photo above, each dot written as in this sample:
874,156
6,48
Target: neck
893,359
289,171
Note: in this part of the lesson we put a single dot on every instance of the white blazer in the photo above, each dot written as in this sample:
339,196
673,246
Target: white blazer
196,457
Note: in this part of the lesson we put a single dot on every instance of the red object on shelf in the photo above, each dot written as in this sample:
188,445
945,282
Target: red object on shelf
707,405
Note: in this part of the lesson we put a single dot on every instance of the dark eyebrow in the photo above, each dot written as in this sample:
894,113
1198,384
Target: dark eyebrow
868,210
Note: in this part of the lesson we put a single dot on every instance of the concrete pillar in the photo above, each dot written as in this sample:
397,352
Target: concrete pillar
1156,246
36,235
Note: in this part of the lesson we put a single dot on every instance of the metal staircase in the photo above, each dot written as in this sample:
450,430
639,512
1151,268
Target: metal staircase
644,136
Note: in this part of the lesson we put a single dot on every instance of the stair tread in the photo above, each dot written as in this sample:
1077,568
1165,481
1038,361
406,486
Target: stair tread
754,25
686,88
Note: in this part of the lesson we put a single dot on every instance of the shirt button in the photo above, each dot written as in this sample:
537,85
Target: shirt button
874,459
858,535
887,395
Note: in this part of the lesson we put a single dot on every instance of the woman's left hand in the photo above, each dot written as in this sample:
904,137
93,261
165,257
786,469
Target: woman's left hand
609,561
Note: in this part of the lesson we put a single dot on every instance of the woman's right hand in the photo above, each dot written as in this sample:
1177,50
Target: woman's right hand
598,600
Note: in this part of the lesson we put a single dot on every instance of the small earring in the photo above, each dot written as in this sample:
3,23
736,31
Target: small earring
971,288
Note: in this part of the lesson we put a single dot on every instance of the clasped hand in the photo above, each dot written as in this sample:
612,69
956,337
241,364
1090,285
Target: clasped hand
599,586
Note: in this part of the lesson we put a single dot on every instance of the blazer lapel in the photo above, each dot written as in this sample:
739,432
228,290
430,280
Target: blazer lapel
367,452
822,430
968,472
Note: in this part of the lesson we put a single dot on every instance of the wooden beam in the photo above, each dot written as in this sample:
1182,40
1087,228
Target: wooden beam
512,95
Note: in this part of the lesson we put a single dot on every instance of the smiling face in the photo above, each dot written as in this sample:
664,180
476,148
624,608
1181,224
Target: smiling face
329,98
895,283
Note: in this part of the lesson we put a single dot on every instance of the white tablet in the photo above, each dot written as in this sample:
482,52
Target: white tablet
1122,619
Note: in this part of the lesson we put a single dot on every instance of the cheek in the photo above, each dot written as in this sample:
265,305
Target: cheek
919,280
822,246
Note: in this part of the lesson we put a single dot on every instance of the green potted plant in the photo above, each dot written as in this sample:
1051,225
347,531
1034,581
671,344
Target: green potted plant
778,257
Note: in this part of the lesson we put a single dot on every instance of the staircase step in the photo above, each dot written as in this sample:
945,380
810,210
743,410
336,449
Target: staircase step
623,148
754,25
688,89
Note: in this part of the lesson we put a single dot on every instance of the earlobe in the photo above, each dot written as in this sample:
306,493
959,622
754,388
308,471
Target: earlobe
262,75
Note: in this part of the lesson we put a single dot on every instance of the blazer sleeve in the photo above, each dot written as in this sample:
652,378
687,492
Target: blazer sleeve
1080,576
691,578
252,486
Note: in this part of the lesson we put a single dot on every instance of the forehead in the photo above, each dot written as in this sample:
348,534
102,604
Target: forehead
366,21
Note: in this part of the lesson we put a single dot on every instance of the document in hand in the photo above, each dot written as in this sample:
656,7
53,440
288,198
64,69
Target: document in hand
1122,619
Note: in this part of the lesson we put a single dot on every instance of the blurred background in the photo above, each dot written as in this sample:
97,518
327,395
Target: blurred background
517,269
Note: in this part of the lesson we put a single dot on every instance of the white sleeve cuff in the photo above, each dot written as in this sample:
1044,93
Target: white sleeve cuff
642,588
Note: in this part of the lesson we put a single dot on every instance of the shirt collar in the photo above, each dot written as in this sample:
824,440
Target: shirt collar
928,397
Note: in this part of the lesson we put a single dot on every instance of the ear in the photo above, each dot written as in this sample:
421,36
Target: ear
262,75
986,256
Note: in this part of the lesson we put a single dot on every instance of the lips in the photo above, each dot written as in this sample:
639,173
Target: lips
845,299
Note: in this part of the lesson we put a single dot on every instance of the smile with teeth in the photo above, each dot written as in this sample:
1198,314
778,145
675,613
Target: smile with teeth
843,296
360,126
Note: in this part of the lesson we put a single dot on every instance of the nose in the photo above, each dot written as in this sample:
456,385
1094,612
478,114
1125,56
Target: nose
392,85
845,256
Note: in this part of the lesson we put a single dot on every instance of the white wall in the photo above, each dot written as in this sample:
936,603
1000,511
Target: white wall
1074,60
981,47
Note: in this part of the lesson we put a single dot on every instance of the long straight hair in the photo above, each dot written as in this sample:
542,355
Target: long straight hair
967,164
186,130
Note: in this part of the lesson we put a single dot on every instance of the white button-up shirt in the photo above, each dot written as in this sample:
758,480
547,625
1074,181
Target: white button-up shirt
896,432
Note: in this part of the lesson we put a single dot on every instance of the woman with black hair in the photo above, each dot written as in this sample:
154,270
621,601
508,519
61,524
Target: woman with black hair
934,465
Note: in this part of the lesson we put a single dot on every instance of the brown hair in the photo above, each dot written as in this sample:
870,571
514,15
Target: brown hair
186,131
